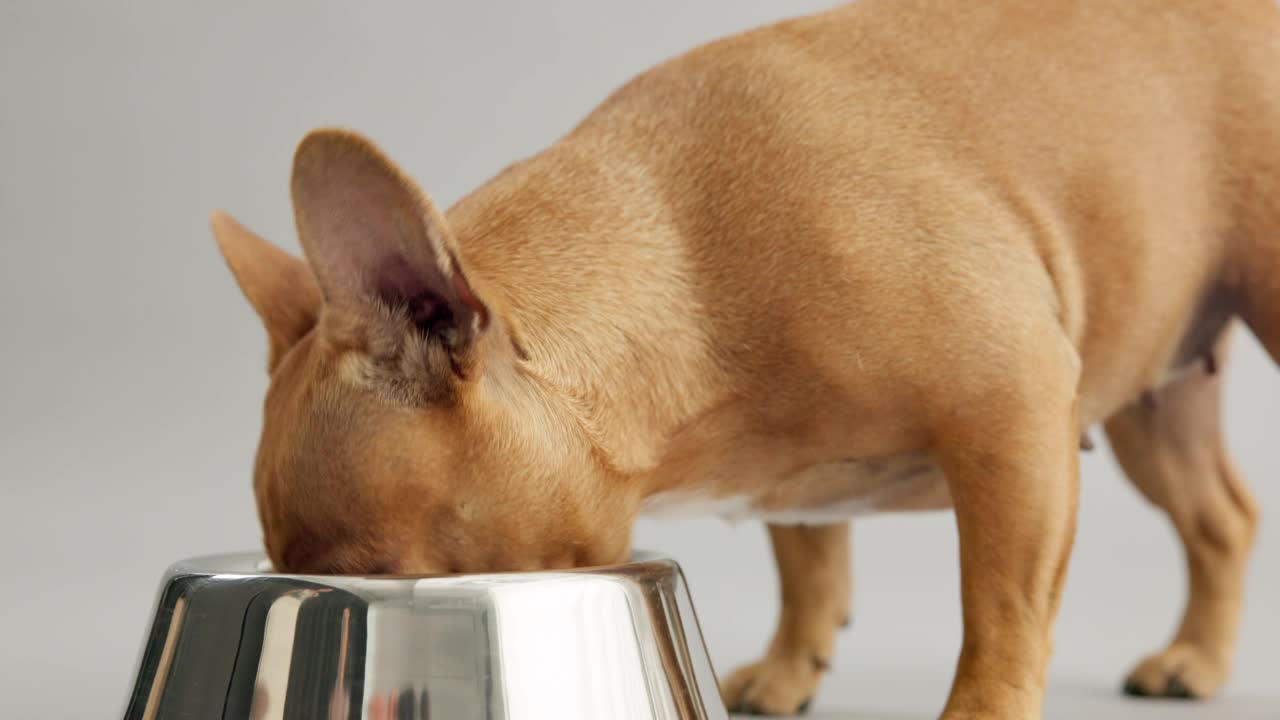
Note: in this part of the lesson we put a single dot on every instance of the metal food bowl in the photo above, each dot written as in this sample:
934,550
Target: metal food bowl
230,639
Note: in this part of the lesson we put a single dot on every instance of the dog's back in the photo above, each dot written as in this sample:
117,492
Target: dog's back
828,179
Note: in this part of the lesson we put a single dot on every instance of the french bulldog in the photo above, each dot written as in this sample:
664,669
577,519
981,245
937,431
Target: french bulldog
899,255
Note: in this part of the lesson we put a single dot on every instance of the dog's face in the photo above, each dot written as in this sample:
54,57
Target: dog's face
400,433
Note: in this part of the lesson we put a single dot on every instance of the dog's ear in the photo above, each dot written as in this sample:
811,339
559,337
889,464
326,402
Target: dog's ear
277,284
374,239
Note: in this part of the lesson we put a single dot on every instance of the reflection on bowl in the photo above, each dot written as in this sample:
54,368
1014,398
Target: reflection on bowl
230,639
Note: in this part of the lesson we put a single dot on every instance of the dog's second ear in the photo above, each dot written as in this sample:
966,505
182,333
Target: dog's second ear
373,238
277,284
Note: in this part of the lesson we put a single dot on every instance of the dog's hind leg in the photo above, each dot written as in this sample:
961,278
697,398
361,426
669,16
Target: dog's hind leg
1173,451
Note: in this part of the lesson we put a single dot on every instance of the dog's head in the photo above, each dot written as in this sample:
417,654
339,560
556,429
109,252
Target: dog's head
402,431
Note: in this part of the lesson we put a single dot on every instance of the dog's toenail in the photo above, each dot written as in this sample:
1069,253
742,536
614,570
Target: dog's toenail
821,664
1133,689
1178,689
1086,442
804,707
848,621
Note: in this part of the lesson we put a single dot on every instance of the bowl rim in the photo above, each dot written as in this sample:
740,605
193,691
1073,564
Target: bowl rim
250,564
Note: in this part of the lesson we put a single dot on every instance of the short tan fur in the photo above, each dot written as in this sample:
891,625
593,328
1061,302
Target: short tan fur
894,256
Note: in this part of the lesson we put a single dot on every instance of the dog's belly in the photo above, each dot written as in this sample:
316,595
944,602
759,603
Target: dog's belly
820,494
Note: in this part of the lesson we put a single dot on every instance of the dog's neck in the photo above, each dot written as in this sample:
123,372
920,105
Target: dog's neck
581,260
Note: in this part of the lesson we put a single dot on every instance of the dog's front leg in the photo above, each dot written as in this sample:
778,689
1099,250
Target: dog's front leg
1013,476
814,573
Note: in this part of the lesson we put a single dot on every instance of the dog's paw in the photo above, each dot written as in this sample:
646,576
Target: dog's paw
1183,672
774,686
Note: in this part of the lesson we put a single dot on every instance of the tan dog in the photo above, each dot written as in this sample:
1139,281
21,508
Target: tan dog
894,256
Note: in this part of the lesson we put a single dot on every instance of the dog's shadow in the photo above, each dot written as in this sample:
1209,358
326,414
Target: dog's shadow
1072,700
834,715
846,715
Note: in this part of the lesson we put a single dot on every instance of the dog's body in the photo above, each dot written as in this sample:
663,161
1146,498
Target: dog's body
895,256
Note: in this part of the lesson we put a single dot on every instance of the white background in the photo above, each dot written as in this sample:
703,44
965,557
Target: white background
131,370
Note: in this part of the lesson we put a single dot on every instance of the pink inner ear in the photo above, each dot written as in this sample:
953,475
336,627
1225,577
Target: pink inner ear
397,283
372,236
363,232
395,279
363,245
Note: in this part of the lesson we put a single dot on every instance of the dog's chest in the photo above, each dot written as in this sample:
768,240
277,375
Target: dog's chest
823,493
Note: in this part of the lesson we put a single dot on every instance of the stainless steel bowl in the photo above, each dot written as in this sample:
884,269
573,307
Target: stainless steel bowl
230,640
